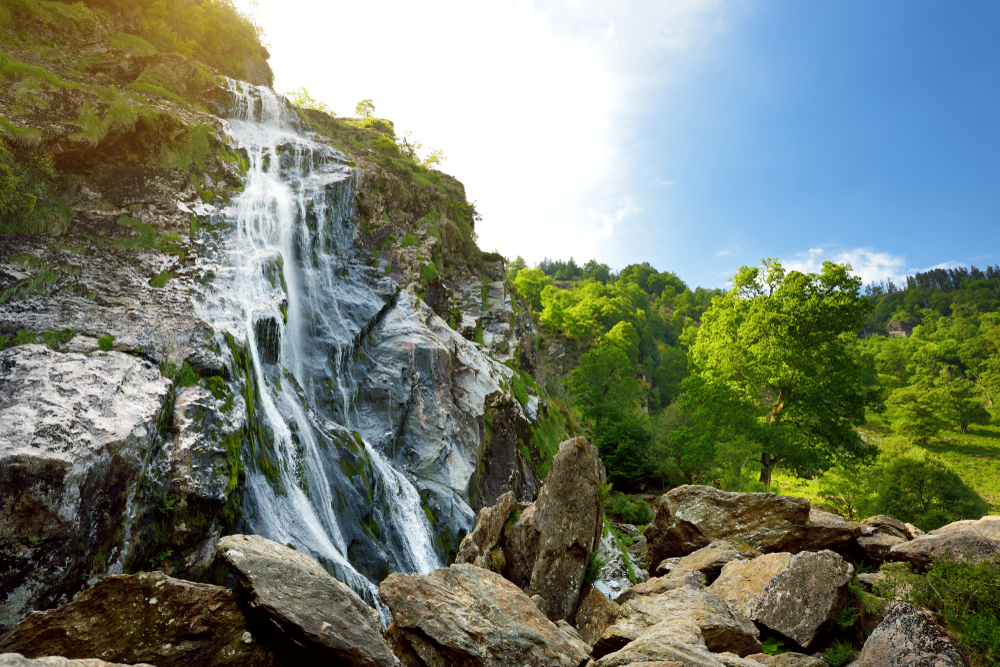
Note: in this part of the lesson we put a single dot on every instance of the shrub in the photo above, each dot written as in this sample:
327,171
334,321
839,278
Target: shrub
187,377
106,343
629,510
839,653
595,566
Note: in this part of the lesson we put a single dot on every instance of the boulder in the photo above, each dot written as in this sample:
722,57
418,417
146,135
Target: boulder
887,525
691,517
969,540
146,617
787,660
476,547
674,640
16,660
722,628
554,538
869,579
709,560
666,565
315,616
912,532
826,530
75,433
909,636
797,595
464,616
877,547
668,582
595,613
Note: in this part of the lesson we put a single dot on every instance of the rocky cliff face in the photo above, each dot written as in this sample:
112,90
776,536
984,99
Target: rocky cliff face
244,317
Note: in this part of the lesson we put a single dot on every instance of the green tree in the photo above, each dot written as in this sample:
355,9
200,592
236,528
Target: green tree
847,489
915,412
301,98
605,379
515,267
962,403
784,346
529,283
435,158
365,109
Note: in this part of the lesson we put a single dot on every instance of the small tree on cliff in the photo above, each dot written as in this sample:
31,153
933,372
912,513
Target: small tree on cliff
777,358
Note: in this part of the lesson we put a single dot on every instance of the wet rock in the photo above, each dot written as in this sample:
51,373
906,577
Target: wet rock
877,547
709,560
75,432
969,540
316,616
477,545
595,613
614,577
674,579
909,636
466,616
722,629
887,525
797,595
554,537
146,617
787,660
17,660
675,639
691,517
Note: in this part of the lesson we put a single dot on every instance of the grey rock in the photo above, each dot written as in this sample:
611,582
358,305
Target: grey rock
910,637
869,579
826,530
674,579
476,547
75,432
17,660
797,595
674,640
311,609
595,614
888,525
709,560
969,540
878,546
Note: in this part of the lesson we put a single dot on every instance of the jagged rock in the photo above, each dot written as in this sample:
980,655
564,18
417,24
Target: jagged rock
912,532
75,432
666,565
968,540
574,636
826,530
315,614
146,617
910,636
877,547
787,660
477,545
464,616
722,628
595,613
547,549
887,525
797,595
676,578
709,560
691,517
16,660
675,639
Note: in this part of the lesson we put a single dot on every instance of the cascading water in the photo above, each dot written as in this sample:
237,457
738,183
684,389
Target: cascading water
290,286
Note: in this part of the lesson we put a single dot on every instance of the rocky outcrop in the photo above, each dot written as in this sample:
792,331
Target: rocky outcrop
145,618
674,579
910,636
17,660
317,617
722,629
969,540
547,548
887,525
477,547
464,616
797,595
674,640
710,560
75,433
595,613
691,517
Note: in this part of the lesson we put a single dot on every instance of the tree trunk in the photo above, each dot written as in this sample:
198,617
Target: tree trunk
964,428
767,463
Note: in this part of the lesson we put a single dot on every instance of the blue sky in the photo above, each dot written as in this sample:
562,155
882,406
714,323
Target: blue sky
693,134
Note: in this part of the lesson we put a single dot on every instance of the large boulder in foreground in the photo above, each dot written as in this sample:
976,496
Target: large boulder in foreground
464,616
969,540
675,641
595,613
554,537
691,517
75,433
797,595
317,617
909,636
17,660
723,629
146,617
478,546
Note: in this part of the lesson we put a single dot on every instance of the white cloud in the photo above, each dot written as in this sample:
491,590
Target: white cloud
530,101
870,265
723,253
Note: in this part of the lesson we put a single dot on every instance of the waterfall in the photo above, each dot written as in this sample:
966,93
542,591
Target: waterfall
292,288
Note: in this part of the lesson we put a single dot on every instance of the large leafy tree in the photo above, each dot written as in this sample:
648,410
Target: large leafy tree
778,358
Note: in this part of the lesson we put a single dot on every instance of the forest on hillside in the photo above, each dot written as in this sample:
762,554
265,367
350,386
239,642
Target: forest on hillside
869,400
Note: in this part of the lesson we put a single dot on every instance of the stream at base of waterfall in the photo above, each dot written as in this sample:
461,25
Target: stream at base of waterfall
294,298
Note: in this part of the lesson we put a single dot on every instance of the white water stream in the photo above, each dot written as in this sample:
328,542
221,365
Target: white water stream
288,245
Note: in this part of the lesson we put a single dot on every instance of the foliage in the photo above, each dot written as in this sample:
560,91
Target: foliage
28,203
529,283
628,510
847,489
839,653
365,109
106,343
595,566
301,98
435,158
